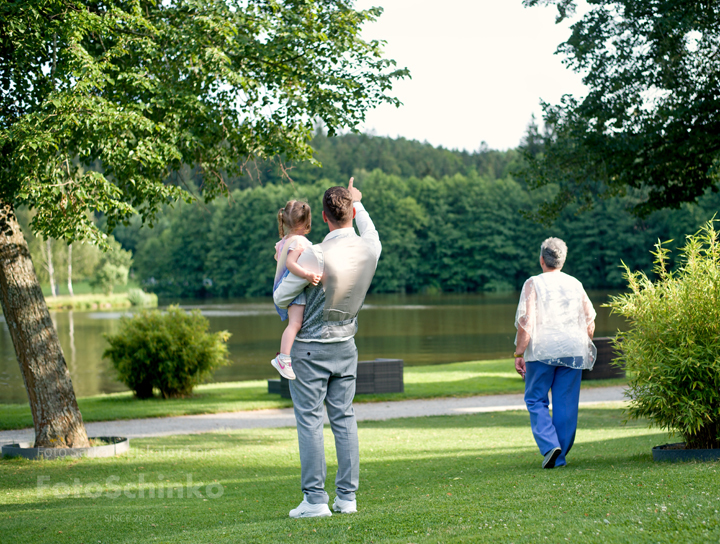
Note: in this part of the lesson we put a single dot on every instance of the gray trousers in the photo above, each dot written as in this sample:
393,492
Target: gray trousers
326,372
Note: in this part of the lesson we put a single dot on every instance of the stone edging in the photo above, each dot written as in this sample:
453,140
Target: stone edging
117,446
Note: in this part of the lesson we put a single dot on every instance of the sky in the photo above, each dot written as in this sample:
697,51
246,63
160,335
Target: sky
479,70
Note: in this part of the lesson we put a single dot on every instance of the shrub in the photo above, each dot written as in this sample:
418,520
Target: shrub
138,297
672,348
171,351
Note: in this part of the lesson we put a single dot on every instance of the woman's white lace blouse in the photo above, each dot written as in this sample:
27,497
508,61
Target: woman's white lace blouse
556,312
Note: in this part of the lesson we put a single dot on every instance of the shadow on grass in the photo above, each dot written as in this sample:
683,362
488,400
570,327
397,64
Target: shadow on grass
589,418
432,474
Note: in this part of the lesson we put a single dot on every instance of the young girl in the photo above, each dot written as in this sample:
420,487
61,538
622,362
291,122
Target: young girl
293,224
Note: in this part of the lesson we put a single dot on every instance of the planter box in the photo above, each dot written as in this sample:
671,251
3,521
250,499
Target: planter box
274,387
677,452
603,370
279,387
378,376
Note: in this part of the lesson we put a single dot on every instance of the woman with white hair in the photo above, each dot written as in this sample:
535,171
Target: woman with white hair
555,322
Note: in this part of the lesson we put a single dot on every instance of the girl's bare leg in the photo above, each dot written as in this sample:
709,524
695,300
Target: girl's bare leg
295,318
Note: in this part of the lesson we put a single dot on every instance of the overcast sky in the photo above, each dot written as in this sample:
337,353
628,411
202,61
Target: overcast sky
479,69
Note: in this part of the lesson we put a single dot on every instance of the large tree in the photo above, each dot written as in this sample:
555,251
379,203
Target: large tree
650,122
103,100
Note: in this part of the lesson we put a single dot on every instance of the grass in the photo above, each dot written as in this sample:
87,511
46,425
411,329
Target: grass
92,301
83,287
421,382
470,478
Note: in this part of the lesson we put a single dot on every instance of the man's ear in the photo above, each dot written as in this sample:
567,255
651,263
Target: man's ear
354,212
324,217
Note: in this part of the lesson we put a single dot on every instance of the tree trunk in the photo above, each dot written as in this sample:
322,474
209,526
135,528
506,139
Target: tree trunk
58,422
51,269
69,257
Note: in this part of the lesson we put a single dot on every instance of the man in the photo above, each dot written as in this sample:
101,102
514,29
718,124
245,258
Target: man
324,354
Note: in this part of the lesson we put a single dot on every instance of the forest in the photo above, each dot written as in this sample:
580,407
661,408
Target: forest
449,221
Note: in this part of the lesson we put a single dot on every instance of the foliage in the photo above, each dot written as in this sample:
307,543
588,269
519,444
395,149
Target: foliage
138,297
112,269
85,256
672,349
649,120
171,351
458,233
355,155
101,102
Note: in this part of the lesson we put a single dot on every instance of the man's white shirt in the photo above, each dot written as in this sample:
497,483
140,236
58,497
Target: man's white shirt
292,285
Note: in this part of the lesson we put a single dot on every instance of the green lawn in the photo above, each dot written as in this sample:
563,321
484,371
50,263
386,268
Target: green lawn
456,379
472,478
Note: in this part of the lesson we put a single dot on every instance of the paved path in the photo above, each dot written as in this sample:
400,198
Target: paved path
163,426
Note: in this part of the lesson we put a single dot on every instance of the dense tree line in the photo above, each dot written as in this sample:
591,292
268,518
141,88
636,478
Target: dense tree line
461,232
354,154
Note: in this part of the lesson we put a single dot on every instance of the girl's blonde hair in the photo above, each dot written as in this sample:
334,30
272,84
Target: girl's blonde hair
294,217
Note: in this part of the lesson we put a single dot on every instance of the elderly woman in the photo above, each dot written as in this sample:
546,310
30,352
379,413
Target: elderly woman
555,322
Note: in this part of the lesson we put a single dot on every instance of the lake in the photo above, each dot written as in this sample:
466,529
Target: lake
420,329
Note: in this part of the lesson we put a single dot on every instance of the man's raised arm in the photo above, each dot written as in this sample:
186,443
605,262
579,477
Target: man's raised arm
363,221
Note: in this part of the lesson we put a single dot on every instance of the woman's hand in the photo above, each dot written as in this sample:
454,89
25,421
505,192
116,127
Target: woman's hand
520,366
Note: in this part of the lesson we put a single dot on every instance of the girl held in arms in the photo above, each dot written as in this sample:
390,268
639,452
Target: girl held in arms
294,221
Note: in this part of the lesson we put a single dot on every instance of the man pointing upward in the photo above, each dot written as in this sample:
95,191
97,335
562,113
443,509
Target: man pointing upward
324,354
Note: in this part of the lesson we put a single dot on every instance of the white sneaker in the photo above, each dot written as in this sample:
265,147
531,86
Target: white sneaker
344,507
307,510
283,364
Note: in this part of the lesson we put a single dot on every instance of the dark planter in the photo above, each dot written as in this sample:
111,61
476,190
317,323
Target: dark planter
603,369
378,376
676,452
116,445
274,387
280,387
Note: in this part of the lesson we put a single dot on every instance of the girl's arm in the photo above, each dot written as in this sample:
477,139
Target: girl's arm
277,246
294,268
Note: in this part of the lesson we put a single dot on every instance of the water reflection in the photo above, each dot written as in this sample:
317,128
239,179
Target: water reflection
420,329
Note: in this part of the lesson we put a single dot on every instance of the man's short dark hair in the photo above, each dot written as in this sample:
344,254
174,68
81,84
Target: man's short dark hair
338,205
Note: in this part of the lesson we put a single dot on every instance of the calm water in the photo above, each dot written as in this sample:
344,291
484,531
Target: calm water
420,329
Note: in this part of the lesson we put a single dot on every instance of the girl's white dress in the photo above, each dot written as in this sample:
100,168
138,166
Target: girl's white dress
282,248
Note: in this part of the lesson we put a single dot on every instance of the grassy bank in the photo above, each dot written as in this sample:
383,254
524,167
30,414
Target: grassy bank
421,382
96,301
471,478
86,299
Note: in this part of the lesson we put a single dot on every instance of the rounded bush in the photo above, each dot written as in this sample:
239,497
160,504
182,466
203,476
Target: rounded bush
138,297
171,351
672,349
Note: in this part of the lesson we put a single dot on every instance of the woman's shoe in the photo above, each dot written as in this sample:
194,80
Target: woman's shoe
551,457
